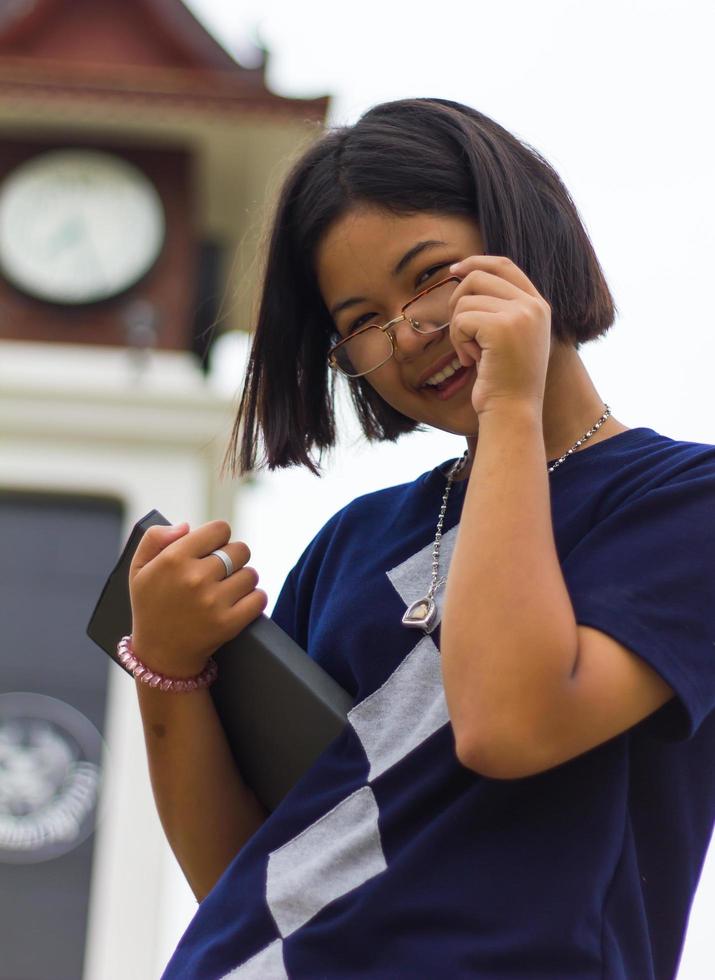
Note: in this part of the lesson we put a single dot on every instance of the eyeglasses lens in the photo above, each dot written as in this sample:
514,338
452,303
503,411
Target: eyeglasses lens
364,352
371,347
430,312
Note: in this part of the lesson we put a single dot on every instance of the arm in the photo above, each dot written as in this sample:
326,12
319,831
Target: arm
183,609
206,810
526,687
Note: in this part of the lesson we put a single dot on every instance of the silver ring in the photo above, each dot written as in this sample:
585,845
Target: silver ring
227,563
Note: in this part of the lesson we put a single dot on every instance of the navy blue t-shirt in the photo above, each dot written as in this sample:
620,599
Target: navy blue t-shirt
389,859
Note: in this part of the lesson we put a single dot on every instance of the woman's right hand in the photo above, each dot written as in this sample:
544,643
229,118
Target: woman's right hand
183,605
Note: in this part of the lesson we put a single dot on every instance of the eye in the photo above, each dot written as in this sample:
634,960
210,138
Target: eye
362,321
423,278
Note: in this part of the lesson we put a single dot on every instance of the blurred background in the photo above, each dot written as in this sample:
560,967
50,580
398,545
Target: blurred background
142,143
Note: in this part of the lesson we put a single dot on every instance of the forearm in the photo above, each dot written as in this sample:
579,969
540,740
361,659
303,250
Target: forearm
508,635
206,810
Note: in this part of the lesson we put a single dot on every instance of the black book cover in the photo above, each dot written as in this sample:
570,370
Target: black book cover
278,707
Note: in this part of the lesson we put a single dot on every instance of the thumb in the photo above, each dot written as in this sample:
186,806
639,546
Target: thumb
153,542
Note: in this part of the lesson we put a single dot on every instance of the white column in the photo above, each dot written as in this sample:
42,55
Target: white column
94,421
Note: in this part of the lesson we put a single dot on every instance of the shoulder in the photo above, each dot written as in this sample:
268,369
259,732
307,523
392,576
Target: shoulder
667,457
634,469
678,472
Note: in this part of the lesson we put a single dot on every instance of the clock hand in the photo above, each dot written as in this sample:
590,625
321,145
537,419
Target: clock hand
90,250
68,234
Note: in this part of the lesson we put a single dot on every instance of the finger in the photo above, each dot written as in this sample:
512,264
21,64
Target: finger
238,585
154,540
203,540
245,610
238,553
479,282
481,303
470,328
474,350
464,326
469,353
500,266
475,325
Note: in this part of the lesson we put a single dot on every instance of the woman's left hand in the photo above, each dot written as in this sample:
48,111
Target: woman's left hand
502,323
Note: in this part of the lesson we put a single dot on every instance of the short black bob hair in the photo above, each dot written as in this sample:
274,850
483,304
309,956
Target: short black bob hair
406,156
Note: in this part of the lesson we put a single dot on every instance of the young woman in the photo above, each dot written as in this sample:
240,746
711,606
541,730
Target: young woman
525,785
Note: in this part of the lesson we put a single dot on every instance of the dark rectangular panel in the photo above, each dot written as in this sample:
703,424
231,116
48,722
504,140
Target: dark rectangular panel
55,551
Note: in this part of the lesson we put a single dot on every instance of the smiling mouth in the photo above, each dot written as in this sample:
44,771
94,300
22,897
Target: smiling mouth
448,380
439,377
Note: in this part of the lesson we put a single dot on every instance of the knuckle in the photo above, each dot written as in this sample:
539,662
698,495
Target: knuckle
524,311
261,599
222,528
459,327
248,608
208,601
243,552
526,319
256,601
193,580
502,261
474,278
170,561
540,308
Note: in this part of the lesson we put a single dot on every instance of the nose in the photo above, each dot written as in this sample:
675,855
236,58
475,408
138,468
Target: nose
408,342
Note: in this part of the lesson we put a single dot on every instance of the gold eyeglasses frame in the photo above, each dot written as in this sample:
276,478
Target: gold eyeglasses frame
388,330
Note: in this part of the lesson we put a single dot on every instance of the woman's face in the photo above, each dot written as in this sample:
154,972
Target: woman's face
369,264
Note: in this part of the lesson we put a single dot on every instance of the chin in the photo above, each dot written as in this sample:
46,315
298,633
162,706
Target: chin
464,423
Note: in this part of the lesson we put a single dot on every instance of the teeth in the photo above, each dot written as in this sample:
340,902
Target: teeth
445,373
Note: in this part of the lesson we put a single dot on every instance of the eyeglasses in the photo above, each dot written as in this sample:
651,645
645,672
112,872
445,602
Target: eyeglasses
374,343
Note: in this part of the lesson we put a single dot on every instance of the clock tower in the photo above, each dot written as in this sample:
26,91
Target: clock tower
137,159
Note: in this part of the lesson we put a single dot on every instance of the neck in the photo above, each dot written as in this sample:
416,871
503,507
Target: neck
571,407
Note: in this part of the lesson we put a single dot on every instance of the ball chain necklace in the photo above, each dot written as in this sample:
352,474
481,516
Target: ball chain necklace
422,614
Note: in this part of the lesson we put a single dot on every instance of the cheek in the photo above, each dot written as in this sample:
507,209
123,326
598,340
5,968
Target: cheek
387,384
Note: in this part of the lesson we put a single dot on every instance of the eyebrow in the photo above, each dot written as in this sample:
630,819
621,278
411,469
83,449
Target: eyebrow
409,255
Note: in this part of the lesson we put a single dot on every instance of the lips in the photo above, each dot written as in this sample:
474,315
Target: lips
435,368
443,376
459,380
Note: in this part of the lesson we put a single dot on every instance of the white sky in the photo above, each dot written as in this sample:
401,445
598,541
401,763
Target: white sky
617,94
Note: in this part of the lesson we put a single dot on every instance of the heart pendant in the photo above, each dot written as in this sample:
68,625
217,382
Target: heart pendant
422,614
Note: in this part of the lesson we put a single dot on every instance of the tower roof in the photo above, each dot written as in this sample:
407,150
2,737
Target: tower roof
138,50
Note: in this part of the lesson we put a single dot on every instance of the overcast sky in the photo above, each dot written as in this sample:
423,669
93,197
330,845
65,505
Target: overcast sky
617,94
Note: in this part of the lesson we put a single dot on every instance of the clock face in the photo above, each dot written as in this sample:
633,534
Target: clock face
78,226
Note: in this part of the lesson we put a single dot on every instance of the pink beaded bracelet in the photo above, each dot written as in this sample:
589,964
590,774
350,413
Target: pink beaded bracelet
141,672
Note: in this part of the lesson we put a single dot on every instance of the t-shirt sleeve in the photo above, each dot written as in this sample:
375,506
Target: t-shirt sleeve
285,608
646,576
294,606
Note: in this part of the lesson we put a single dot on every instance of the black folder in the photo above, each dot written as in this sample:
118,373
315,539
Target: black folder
278,707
